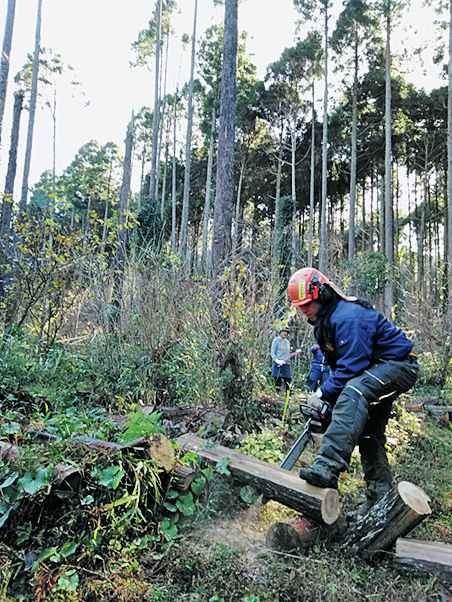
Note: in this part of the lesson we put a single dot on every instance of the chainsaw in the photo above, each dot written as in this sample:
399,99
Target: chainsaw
317,422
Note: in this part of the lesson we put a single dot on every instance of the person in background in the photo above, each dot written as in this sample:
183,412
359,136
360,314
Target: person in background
372,363
320,371
280,350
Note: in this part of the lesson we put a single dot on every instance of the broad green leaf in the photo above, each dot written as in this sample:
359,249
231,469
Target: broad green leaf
11,428
9,480
32,486
198,485
207,472
170,507
221,466
168,528
186,504
248,494
87,500
68,581
68,549
111,476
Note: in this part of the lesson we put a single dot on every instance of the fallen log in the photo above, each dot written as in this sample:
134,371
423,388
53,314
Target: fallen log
425,558
395,515
320,505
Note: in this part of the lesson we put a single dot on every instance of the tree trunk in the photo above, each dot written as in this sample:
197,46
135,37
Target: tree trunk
237,210
7,40
294,199
31,119
449,171
323,251
185,204
12,166
122,217
155,120
311,186
162,119
389,238
351,231
173,194
221,243
277,232
205,226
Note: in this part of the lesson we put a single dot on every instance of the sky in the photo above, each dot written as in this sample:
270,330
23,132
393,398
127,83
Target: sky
95,38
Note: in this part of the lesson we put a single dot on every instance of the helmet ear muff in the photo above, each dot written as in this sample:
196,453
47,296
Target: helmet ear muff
325,295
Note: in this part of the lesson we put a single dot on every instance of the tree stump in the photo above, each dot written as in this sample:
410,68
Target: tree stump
424,558
395,515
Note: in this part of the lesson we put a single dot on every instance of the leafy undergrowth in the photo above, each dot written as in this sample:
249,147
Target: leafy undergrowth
124,534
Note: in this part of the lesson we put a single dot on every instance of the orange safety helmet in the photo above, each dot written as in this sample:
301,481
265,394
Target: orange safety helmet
308,284
305,285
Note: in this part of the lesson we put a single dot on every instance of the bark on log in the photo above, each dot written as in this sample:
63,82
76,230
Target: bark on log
292,535
425,558
320,505
183,477
395,515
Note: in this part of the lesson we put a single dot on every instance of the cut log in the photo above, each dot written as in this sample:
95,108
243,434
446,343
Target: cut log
183,477
320,505
395,515
425,558
292,535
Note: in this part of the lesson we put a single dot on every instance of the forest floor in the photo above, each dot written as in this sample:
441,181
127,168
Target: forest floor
219,553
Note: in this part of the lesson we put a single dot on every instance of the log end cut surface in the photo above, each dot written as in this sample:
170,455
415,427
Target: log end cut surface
414,497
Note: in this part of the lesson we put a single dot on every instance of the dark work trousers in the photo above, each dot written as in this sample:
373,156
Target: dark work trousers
360,416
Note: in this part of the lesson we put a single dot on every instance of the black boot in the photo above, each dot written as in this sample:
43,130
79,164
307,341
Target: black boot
320,475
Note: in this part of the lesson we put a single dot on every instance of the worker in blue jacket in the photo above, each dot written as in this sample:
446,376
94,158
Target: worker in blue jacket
320,371
372,364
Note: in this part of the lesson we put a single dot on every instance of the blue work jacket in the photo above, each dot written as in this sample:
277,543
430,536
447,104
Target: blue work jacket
361,338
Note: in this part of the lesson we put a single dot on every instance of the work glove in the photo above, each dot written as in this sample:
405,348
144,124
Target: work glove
316,402
280,362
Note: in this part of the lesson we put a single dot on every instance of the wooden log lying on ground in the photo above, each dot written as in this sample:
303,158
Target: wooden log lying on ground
395,515
322,505
292,535
425,558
